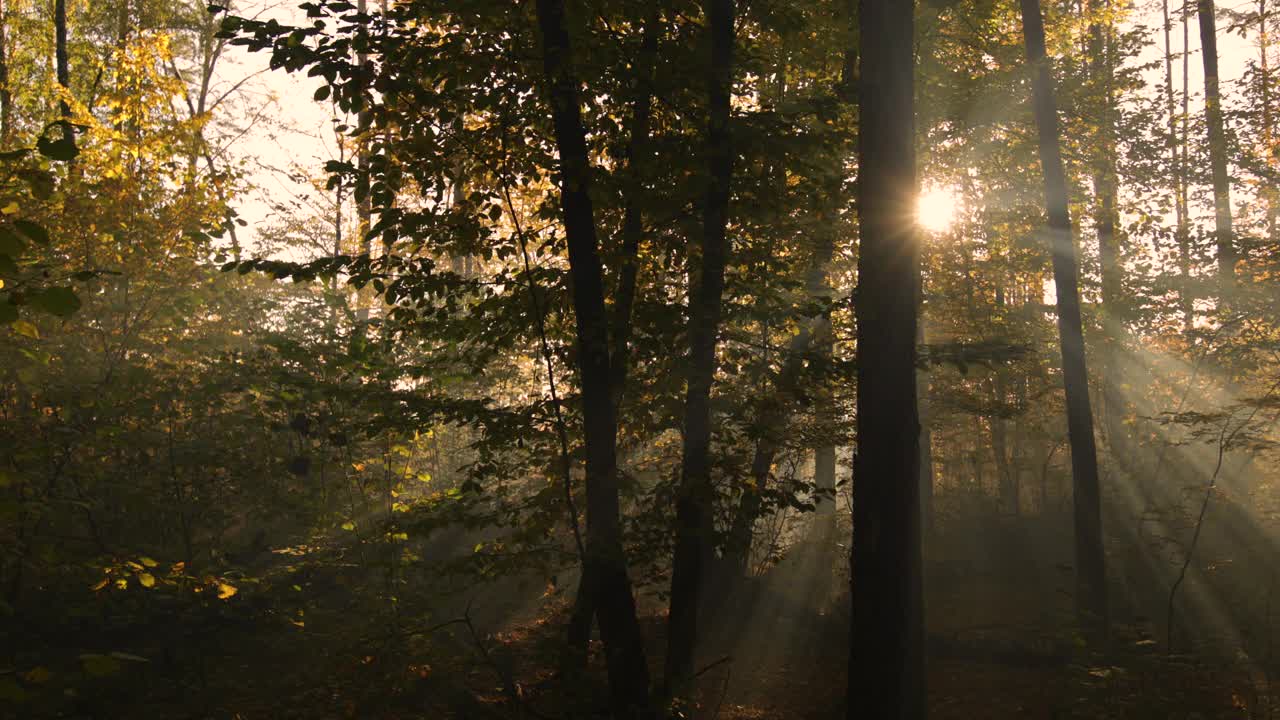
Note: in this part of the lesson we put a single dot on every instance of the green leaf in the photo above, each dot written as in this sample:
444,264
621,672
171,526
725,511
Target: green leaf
11,243
64,148
32,231
59,301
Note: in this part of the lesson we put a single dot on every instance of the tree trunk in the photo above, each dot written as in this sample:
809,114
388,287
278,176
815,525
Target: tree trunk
1184,240
694,526
1268,135
62,65
624,295
632,221
1091,589
605,564
6,96
1224,236
1105,221
886,669
1175,164
926,433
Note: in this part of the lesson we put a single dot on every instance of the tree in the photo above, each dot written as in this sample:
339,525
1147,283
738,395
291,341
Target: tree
1091,589
886,669
1224,235
605,567
694,497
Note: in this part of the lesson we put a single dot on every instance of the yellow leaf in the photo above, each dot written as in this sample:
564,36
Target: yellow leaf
10,209
122,584
424,477
348,525
225,590
100,585
147,580
26,329
37,675
147,561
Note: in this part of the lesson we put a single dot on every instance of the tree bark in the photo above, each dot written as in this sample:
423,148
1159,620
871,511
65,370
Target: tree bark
1224,236
694,496
886,669
1091,589
605,564
62,65
624,294
926,433
1175,165
6,96
1106,220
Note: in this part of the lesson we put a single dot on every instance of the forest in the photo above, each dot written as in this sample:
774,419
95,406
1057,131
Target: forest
639,359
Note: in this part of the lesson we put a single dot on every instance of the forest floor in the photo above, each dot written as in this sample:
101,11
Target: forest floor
996,650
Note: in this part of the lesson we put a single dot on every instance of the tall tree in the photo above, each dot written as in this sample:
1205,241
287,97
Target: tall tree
694,524
1091,589
605,562
632,232
886,670
1182,231
6,95
1224,235
62,66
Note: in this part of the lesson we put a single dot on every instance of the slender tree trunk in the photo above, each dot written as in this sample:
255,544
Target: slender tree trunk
1268,134
605,563
632,219
1091,589
886,669
1224,236
694,527
926,433
1175,164
62,65
624,298
364,204
1184,186
1106,220
6,96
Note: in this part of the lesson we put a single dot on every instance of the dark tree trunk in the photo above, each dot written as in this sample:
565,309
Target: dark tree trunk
1091,589
632,220
624,294
694,496
1224,236
6,96
62,65
886,669
605,563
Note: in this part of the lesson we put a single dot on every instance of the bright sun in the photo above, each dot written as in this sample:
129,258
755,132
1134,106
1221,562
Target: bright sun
936,209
